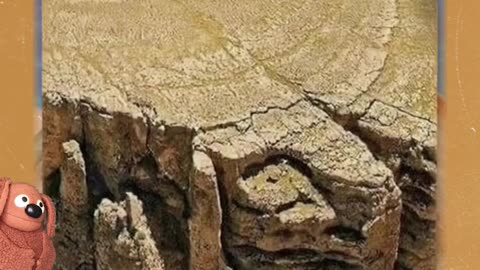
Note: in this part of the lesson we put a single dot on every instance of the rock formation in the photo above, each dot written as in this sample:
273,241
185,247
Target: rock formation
243,135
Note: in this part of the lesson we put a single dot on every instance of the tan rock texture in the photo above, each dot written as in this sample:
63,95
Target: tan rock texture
207,135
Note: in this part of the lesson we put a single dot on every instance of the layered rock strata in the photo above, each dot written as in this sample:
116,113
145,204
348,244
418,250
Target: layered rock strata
241,134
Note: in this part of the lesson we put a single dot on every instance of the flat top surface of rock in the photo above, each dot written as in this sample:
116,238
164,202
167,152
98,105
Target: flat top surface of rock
213,62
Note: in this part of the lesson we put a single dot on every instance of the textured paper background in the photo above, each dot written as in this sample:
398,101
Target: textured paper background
17,159
460,144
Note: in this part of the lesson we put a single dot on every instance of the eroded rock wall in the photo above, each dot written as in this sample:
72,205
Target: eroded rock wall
241,134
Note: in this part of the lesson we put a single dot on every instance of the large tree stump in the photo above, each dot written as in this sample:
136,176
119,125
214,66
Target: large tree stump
247,134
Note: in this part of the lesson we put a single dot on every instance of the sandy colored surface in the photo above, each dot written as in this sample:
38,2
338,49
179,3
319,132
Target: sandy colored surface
200,106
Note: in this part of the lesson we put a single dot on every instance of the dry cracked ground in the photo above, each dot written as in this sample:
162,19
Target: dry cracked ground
223,134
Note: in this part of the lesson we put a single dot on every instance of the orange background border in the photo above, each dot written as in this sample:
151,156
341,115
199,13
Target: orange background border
17,82
460,142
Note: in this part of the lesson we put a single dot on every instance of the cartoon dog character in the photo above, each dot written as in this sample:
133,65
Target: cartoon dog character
24,244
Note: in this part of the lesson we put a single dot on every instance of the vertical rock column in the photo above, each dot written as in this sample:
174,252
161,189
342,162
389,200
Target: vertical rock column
74,212
206,217
123,238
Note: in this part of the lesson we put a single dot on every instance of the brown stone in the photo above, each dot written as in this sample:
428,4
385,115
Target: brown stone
254,134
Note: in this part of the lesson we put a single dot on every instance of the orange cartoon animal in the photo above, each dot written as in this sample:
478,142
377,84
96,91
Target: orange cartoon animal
24,244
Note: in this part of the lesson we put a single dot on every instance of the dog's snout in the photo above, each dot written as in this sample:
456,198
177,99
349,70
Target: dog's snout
33,210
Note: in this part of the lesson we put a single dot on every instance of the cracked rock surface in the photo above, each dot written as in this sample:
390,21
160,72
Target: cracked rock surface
243,135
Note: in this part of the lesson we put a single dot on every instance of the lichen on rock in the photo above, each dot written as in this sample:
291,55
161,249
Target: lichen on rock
123,239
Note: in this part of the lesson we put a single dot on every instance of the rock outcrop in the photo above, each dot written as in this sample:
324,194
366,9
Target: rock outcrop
241,134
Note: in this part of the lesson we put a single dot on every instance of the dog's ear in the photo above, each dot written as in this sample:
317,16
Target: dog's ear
4,189
51,215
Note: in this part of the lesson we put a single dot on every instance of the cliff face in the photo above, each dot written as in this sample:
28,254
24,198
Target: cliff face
241,134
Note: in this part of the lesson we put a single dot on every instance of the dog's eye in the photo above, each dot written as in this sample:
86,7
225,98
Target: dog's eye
41,205
22,200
